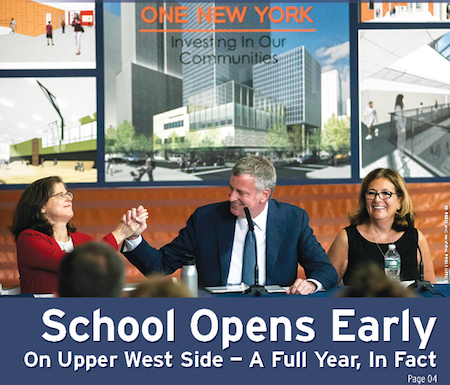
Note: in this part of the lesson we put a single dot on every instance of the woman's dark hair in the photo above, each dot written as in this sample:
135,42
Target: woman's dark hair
28,214
399,101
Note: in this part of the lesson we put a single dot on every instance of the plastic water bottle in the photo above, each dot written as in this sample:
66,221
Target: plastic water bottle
189,274
392,263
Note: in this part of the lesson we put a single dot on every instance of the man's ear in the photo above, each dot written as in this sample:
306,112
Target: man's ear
265,194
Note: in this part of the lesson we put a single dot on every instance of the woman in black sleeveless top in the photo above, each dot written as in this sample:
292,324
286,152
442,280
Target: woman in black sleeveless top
380,220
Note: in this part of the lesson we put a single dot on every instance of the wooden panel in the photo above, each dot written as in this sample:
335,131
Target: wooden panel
98,211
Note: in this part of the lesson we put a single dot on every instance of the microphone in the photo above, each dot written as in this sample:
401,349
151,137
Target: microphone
256,288
251,227
421,284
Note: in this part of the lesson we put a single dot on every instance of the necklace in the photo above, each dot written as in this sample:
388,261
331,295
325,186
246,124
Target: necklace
379,248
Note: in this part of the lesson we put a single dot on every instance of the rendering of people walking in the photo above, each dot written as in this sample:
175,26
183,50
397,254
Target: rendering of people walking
436,109
63,26
13,25
370,117
78,30
400,121
49,28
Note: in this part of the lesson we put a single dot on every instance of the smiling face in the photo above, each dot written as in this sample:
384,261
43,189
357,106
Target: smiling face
242,193
58,208
379,209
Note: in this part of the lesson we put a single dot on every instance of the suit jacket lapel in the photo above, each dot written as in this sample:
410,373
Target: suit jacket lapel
225,236
274,235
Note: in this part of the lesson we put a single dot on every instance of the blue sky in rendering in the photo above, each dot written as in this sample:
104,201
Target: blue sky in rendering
331,22
329,45
113,8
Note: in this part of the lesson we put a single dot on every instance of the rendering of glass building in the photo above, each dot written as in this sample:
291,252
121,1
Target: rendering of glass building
295,80
213,58
223,116
233,104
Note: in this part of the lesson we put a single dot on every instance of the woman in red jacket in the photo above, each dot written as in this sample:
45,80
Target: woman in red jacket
44,234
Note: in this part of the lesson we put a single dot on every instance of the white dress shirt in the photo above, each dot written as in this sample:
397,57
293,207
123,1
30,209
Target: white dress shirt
237,253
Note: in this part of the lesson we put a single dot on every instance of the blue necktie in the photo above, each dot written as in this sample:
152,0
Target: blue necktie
249,259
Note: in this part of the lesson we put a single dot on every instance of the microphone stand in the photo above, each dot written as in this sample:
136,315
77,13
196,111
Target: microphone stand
254,290
420,284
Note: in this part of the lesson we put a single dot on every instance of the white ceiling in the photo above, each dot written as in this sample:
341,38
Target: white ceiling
25,111
424,67
403,56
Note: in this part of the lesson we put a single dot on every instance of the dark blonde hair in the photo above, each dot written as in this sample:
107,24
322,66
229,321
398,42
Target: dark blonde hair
360,214
28,214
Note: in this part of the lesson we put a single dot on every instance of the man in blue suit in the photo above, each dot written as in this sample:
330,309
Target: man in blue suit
216,233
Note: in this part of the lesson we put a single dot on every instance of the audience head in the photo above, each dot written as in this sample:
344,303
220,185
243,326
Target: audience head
157,285
360,215
369,280
28,213
259,168
93,269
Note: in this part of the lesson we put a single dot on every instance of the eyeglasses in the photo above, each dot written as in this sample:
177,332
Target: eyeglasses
62,195
384,195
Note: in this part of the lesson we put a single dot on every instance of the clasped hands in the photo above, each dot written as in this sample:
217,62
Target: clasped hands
132,224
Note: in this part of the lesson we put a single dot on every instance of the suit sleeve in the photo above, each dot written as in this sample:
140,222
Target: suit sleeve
169,258
313,259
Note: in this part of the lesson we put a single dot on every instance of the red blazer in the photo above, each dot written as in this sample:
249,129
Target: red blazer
39,256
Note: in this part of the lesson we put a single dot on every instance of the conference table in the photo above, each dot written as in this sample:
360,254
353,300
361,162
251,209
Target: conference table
435,290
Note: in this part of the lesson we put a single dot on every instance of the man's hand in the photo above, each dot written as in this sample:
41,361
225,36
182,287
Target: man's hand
302,286
137,216
132,224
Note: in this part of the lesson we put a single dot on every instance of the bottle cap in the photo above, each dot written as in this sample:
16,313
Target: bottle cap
392,247
189,259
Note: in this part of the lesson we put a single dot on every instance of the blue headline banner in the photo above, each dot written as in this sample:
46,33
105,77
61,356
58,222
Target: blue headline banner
220,340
